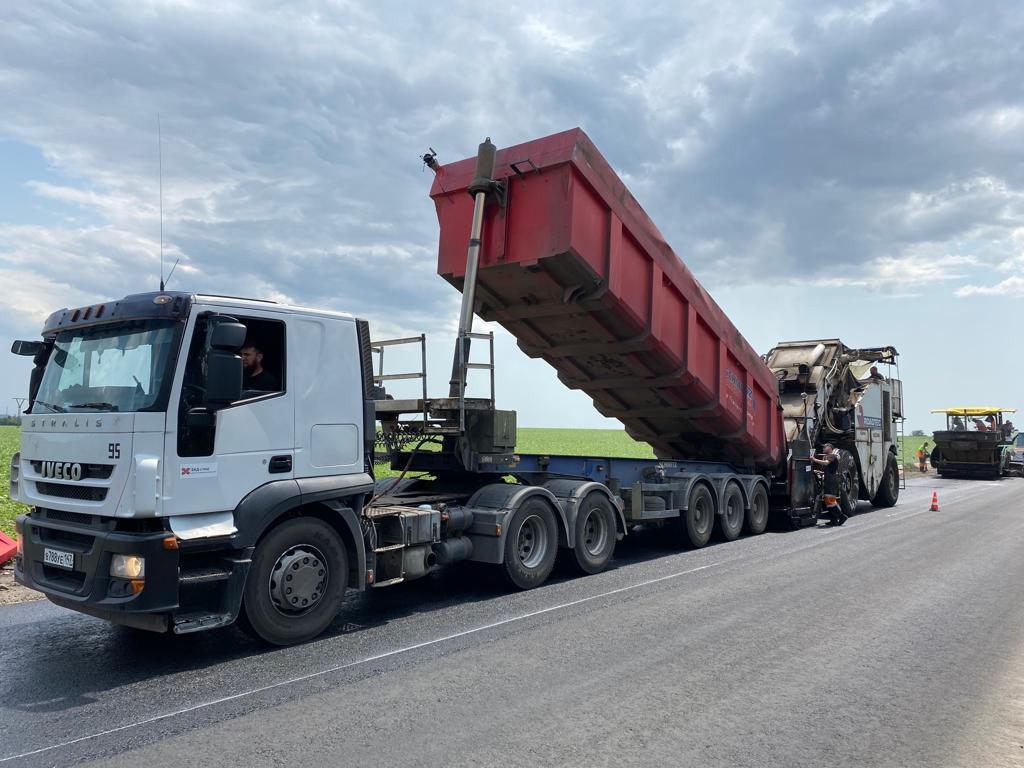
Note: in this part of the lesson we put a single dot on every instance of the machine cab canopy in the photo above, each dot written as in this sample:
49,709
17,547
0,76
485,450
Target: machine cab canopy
976,419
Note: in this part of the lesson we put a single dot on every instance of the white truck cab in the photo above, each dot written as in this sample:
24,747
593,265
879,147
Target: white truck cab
151,466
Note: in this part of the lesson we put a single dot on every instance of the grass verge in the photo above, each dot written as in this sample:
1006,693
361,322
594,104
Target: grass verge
10,439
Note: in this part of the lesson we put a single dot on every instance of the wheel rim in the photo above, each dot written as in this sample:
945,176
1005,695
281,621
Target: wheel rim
892,481
532,541
702,515
595,532
760,507
734,512
298,580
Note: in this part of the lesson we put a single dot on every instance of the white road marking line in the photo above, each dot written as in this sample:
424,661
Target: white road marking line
351,664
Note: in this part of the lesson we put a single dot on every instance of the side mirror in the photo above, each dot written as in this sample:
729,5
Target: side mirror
27,348
223,377
227,337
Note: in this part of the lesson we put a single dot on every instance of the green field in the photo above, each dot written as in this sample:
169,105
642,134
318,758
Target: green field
567,442
615,442
908,448
8,509
581,442
573,442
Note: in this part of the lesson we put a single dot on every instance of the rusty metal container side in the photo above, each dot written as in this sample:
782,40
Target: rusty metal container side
572,266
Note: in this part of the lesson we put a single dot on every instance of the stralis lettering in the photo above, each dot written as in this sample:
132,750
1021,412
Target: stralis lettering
59,470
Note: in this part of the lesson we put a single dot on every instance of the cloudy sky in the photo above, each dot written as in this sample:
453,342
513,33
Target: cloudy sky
851,170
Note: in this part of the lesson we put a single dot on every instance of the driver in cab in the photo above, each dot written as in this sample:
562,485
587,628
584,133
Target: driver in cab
254,376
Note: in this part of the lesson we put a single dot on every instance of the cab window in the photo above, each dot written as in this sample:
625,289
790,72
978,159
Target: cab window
263,376
263,356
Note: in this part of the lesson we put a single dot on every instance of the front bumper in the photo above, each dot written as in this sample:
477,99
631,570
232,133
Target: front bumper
88,586
190,589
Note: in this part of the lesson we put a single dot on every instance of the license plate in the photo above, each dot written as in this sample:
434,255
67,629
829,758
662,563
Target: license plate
59,559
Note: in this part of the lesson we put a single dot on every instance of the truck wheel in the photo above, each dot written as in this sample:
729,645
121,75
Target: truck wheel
699,518
889,490
757,515
531,544
296,582
594,538
730,522
850,488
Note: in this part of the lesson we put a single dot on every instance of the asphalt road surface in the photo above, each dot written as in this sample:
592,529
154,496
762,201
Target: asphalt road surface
897,640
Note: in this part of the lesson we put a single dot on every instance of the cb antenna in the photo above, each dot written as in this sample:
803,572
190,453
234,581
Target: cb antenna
160,162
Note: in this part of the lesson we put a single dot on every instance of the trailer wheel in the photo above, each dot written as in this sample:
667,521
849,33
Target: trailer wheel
730,522
531,544
296,582
699,518
594,537
889,489
757,515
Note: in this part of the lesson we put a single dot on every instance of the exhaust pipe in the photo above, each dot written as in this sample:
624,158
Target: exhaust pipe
417,561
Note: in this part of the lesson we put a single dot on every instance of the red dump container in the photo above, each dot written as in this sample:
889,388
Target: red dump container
577,272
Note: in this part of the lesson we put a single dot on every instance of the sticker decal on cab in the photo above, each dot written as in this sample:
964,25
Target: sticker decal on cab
201,469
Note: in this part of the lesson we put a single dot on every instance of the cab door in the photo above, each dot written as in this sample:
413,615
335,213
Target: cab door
249,443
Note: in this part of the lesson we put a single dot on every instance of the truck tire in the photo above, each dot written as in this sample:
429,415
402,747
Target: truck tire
698,521
849,489
296,582
730,522
757,515
889,489
531,544
594,538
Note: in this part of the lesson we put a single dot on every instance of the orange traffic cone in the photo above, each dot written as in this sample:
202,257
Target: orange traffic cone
935,502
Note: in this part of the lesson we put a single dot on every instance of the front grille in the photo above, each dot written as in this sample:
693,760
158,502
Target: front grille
89,471
79,542
67,517
77,492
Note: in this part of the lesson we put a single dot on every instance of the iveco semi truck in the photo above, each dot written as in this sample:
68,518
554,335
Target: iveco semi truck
168,492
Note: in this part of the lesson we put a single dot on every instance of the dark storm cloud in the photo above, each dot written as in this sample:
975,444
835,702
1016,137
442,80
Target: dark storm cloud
846,145
855,139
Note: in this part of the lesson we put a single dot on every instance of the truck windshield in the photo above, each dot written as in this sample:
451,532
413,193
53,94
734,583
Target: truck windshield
120,367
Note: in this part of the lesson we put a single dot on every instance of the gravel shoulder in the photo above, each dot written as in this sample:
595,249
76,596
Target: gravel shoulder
11,591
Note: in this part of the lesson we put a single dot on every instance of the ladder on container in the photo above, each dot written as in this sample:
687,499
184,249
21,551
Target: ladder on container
900,421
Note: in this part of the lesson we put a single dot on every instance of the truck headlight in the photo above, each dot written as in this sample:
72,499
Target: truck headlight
128,567
15,475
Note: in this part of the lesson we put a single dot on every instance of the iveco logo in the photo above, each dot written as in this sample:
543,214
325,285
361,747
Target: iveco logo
61,470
